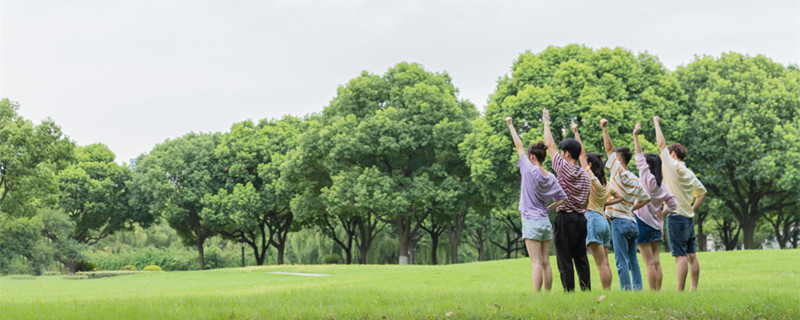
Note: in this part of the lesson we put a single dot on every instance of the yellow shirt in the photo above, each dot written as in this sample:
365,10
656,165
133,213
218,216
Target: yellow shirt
682,183
599,194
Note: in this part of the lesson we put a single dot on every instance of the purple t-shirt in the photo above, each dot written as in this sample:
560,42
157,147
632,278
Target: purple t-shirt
537,191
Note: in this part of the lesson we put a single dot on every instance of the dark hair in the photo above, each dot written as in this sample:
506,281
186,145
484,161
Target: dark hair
539,150
572,146
679,150
624,153
596,164
654,161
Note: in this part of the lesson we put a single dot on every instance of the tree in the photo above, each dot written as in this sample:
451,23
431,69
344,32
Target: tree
171,182
782,222
22,247
255,202
30,156
59,229
743,138
93,193
406,124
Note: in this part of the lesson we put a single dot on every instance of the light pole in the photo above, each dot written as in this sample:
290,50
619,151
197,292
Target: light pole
242,240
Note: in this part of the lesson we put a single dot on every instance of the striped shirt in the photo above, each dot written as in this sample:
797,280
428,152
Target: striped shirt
600,193
682,183
628,184
575,183
658,195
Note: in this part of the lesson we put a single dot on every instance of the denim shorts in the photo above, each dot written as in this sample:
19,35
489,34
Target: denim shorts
540,230
681,235
647,233
597,229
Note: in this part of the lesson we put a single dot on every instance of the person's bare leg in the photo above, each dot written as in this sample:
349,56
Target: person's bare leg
694,266
547,273
601,262
657,263
533,248
610,274
647,256
682,269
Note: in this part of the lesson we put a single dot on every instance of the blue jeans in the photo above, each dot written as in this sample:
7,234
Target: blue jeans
624,233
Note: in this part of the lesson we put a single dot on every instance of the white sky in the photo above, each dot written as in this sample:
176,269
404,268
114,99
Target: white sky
131,74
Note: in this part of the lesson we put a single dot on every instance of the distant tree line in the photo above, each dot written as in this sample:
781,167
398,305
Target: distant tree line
399,155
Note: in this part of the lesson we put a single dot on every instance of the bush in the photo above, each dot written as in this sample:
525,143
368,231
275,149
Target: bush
84,265
129,267
77,277
51,273
332,259
21,277
152,267
106,274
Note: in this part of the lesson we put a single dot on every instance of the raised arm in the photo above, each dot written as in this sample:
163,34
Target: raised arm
606,138
637,147
662,144
548,136
515,137
584,162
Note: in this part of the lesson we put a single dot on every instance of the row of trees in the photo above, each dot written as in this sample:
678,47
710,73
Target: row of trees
401,152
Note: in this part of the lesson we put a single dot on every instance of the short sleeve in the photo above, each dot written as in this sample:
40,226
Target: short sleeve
558,162
561,195
668,164
610,162
525,165
699,188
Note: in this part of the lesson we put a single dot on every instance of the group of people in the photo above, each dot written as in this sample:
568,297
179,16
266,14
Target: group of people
594,211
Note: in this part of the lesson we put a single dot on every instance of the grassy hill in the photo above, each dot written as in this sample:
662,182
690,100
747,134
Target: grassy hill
738,284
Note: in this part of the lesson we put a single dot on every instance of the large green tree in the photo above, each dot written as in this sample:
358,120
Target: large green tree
255,202
93,193
30,156
742,133
171,182
405,125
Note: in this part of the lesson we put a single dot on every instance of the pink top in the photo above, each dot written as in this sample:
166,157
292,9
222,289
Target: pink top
659,195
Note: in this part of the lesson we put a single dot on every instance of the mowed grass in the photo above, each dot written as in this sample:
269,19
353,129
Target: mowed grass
739,284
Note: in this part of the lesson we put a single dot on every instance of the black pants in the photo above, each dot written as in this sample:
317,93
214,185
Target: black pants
570,242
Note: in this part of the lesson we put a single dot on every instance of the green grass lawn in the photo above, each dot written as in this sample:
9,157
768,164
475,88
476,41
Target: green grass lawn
739,284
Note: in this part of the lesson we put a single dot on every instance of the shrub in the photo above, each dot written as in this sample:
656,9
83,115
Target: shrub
21,277
77,277
84,265
332,259
152,267
106,274
51,273
129,267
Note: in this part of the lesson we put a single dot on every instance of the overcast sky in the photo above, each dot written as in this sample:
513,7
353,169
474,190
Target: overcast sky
131,74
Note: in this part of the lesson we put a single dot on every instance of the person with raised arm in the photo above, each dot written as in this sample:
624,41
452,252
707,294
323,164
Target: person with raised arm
570,224
537,189
685,187
623,224
649,218
598,232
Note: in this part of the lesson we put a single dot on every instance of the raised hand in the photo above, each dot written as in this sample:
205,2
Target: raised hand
603,123
656,119
509,121
545,115
636,128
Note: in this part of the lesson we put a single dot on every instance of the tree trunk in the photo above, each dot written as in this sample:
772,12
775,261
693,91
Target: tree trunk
795,234
362,258
348,253
480,252
701,236
200,257
403,238
453,233
73,267
434,247
748,231
280,249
